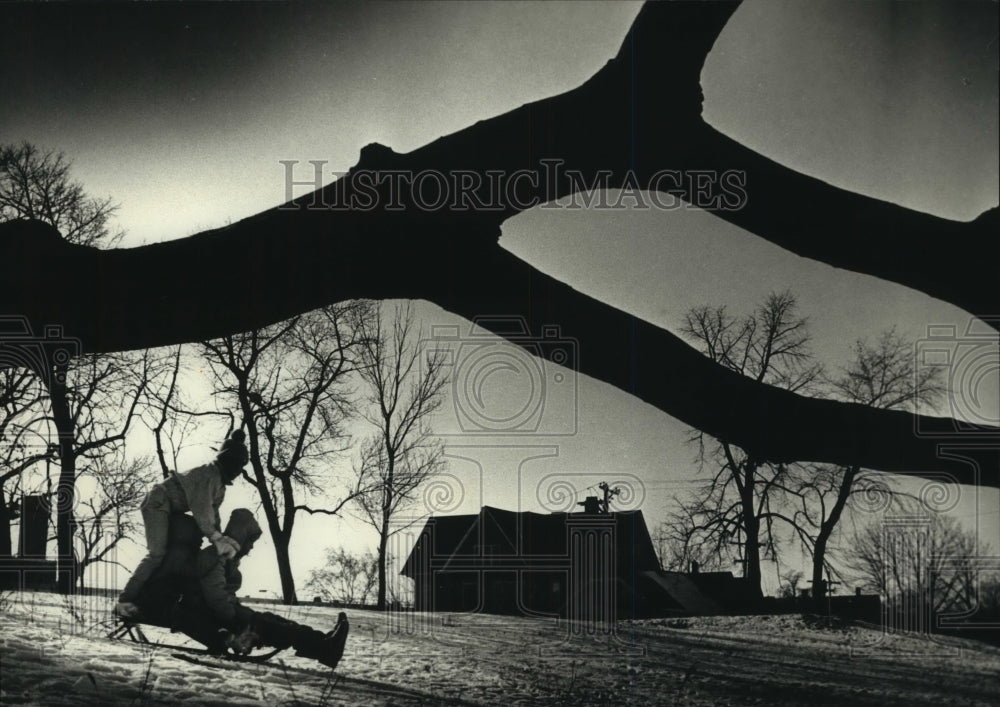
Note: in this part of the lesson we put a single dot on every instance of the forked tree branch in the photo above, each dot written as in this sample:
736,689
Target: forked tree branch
639,115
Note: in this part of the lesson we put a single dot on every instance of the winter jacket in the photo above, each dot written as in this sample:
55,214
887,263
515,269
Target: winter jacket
200,491
176,575
219,578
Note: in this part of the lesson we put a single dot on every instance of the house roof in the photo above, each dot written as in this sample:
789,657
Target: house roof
683,590
523,538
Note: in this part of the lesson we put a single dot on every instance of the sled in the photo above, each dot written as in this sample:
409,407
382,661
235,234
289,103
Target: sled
205,659
232,657
133,631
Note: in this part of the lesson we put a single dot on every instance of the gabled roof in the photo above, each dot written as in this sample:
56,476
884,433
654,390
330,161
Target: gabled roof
520,537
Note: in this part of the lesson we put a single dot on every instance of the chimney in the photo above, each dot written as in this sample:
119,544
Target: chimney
591,505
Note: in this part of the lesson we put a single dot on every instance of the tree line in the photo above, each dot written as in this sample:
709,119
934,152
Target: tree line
747,510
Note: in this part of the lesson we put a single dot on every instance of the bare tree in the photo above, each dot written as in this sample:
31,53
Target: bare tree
79,426
288,383
346,577
98,400
24,441
881,374
929,565
36,184
404,388
733,511
676,554
170,416
107,511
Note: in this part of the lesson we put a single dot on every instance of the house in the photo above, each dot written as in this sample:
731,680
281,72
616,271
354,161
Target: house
590,566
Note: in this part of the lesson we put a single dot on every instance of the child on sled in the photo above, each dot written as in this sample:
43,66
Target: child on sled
200,491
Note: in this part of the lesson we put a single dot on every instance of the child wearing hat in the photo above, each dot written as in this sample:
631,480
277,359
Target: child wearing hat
200,491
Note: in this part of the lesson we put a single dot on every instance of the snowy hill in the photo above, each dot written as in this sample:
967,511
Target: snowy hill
54,651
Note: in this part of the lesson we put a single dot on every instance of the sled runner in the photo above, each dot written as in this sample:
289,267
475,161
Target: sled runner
133,631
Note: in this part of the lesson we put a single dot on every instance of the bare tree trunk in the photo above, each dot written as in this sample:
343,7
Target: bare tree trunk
288,595
752,573
66,487
401,455
751,548
383,543
826,530
383,530
280,538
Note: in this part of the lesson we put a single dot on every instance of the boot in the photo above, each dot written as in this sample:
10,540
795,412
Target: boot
337,639
327,648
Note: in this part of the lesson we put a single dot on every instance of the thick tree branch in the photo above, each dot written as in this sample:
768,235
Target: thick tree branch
638,115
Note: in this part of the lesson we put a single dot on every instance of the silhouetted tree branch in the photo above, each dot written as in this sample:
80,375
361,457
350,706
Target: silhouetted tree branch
882,375
404,386
288,384
301,255
733,509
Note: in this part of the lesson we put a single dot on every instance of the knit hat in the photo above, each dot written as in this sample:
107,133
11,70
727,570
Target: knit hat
233,456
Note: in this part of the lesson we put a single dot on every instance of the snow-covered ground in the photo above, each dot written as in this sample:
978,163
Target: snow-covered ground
54,651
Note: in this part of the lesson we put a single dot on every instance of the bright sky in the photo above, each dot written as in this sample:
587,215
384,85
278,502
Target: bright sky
183,112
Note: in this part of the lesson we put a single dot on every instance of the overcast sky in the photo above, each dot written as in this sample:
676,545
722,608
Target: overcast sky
182,112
